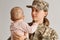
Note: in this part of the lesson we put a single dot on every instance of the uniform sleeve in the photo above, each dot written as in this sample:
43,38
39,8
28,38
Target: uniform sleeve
32,29
54,35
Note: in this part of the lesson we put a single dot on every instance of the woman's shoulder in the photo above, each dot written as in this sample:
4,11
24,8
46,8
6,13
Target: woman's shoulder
52,31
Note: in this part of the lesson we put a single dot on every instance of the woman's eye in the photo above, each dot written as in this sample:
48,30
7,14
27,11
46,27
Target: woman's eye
32,9
36,10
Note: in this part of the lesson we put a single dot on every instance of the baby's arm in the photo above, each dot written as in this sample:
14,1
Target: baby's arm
17,32
32,29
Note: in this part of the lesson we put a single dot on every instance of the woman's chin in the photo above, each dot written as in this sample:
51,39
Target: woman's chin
35,19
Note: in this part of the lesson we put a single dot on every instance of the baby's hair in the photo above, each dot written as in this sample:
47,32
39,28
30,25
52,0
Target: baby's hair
15,8
12,11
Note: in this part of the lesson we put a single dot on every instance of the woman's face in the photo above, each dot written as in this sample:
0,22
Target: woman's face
38,14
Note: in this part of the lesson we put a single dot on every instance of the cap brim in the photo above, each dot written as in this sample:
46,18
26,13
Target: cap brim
29,6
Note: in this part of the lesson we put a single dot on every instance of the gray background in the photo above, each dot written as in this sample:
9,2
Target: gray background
6,5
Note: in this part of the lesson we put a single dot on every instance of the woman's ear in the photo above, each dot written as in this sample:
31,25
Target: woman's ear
46,13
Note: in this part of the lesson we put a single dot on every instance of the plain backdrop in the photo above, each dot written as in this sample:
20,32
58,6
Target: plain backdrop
6,5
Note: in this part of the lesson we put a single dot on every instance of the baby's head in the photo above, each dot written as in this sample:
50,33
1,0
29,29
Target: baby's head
16,13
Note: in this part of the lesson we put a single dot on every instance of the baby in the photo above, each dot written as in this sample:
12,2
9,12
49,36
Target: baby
18,26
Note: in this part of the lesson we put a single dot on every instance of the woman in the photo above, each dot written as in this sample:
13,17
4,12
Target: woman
39,13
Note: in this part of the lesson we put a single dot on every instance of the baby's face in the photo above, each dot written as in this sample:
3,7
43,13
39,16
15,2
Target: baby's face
18,14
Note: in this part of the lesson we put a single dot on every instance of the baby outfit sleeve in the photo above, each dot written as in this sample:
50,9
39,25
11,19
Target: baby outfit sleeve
32,29
15,29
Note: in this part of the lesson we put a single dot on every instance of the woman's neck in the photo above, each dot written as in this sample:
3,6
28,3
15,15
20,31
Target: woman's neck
40,21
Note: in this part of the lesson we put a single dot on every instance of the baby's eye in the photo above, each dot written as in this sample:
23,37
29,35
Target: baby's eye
16,14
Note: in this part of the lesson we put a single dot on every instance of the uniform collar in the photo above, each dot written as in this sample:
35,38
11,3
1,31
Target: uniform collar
41,25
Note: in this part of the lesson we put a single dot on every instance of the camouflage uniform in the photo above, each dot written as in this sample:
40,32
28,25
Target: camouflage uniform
44,33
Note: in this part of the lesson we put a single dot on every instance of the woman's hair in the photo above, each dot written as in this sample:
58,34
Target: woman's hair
12,11
46,21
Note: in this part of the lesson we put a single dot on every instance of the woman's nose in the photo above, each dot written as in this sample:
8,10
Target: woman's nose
34,13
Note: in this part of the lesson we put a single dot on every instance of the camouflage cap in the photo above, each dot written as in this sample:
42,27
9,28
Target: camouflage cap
39,4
